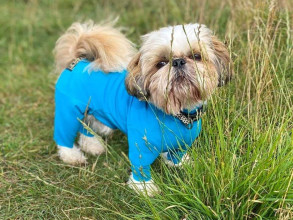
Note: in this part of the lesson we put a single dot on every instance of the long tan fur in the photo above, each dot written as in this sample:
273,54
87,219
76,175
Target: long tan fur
107,48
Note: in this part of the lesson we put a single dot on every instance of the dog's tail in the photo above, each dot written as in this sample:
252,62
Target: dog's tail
106,47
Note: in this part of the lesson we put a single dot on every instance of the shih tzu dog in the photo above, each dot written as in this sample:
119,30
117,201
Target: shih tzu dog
155,96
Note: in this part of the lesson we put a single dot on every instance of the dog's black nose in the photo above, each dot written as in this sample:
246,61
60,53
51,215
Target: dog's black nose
178,62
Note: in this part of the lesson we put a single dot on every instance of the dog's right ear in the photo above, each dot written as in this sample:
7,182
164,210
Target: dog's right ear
134,81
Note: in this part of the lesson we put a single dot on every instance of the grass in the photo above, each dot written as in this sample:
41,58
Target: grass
243,160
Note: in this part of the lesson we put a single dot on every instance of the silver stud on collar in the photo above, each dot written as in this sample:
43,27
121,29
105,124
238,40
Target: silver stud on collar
188,119
74,62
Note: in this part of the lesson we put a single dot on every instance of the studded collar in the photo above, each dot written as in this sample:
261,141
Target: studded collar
188,118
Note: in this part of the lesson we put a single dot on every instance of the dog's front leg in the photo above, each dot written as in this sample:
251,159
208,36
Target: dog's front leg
175,158
141,156
140,181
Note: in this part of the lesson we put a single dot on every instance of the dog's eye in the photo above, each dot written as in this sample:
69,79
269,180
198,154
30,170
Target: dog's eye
161,64
195,56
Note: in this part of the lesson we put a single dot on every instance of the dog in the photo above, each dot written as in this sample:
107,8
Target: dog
155,95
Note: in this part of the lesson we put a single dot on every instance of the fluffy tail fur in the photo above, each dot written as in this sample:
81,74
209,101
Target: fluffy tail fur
107,48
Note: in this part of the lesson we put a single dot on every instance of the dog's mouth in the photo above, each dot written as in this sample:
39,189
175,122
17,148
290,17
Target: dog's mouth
180,78
184,87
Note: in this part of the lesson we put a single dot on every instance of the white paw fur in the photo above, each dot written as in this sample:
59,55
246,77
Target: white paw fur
185,159
91,145
71,155
148,188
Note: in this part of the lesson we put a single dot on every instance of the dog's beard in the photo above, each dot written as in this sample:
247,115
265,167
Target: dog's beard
176,89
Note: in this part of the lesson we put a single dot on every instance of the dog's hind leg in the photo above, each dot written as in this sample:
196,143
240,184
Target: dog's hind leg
71,155
88,142
91,145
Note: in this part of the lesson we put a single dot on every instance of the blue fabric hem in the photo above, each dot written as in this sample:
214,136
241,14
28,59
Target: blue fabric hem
141,173
64,145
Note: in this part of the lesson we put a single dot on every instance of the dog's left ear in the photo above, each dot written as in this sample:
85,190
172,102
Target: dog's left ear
224,63
134,81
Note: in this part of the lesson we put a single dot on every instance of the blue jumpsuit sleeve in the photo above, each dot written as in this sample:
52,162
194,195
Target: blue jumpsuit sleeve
66,123
141,155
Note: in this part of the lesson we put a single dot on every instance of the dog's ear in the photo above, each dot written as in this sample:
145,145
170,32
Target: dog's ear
134,81
224,64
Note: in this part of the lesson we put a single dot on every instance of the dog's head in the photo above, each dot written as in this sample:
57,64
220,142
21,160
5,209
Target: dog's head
178,67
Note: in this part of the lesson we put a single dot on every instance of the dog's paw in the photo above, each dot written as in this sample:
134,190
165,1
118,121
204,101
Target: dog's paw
71,156
147,188
185,159
91,145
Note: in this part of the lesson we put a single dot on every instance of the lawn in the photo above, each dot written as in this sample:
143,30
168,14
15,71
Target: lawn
243,160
